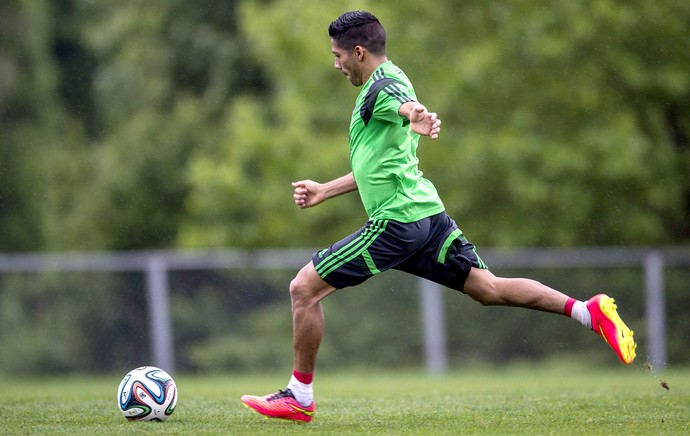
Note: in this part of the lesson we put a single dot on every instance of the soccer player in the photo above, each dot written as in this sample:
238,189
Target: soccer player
408,228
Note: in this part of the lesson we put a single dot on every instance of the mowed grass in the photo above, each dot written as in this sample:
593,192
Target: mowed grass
517,399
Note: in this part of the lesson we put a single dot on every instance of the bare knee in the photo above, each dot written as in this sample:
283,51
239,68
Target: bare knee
483,287
299,291
307,288
487,295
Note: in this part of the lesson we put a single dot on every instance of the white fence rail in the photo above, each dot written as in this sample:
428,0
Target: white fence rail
157,264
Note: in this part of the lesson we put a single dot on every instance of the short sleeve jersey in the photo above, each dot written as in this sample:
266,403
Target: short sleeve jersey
383,151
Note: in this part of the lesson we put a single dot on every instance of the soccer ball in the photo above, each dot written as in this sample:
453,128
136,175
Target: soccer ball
147,394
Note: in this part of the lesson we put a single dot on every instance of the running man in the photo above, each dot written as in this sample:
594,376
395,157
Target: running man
408,228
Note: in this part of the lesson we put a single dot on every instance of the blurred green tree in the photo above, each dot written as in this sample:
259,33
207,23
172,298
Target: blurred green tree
563,125
176,124
41,143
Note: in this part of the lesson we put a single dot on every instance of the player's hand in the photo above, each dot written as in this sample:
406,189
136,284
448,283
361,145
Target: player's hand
307,193
424,122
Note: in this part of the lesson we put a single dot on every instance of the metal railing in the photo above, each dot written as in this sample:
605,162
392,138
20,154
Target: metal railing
157,264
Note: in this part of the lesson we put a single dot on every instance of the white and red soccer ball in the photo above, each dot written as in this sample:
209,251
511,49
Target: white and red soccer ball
147,394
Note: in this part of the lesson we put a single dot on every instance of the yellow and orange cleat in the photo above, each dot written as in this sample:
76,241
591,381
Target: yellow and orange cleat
609,325
281,405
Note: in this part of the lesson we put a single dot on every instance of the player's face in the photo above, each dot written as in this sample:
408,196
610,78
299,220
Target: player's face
347,63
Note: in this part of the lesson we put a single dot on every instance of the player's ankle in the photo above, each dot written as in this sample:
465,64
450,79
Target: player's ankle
303,392
578,310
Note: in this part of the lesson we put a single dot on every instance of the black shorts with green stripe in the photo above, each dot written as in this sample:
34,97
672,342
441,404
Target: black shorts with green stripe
433,248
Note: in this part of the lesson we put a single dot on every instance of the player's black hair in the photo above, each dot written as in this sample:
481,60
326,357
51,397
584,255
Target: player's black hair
359,28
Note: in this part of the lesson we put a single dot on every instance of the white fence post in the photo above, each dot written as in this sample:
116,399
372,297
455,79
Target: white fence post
656,309
159,314
434,327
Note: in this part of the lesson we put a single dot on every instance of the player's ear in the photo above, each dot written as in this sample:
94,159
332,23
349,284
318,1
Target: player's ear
359,52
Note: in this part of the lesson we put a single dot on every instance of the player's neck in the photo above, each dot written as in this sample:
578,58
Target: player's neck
371,65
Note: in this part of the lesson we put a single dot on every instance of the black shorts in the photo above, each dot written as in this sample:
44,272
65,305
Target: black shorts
433,248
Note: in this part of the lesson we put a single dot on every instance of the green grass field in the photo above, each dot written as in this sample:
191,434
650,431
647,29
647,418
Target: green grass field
518,399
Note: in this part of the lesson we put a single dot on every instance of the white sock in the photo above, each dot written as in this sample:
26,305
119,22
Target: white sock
304,393
581,314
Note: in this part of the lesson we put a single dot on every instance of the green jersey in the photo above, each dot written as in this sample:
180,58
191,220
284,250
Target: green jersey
383,151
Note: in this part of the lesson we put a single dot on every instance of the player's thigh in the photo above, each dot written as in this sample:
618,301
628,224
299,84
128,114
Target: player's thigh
449,261
376,247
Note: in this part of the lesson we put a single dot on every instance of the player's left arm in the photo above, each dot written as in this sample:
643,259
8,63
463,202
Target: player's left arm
309,193
421,120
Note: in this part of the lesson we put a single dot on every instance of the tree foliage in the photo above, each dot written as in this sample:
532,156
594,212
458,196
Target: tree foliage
181,124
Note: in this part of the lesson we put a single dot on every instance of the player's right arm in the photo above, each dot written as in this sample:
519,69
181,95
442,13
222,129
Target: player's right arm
421,120
309,193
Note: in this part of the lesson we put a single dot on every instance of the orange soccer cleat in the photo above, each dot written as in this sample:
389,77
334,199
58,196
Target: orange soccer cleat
281,405
609,325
